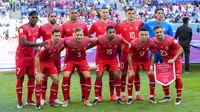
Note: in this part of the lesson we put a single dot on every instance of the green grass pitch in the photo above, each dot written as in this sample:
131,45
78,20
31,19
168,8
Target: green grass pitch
190,97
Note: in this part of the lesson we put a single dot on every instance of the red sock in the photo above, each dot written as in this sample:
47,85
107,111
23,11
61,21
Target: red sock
53,92
69,83
44,89
118,87
130,85
137,82
30,86
166,90
100,91
179,86
111,83
123,82
65,88
97,88
38,91
82,83
19,85
87,87
151,84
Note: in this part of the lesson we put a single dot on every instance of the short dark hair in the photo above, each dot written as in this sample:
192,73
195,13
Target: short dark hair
185,19
110,27
129,9
55,31
72,9
104,7
51,13
157,27
143,29
33,13
77,30
158,10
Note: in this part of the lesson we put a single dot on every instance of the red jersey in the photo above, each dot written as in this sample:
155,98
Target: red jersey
46,31
168,47
76,52
140,52
31,34
107,49
99,27
68,28
48,52
129,31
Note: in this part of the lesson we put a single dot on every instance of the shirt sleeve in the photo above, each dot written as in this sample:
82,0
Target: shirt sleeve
170,32
130,48
118,29
22,32
91,31
175,44
153,47
40,32
62,32
86,32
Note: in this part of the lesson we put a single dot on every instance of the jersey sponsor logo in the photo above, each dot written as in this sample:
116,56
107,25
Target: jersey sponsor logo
163,53
42,48
142,53
109,51
175,41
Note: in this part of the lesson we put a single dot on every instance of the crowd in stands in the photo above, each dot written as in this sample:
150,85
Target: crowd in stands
174,10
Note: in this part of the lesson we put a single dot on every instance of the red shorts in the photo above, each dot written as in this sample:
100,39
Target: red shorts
178,67
48,68
112,65
24,66
57,63
123,62
80,66
145,66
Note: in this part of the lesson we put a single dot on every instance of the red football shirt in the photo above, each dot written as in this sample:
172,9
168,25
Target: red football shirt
76,52
168,47
107,49
68,28
31,34
140,51
99,27
46,31
129,31
48,52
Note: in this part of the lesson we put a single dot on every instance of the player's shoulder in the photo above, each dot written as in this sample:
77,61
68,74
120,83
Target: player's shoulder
138,21
65,23
118,36
166,24
82,23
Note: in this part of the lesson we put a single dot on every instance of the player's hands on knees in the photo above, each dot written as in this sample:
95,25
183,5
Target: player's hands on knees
39,77
170,61
131,72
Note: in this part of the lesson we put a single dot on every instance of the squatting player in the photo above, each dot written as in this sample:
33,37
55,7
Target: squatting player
171,51
106,56
68,28
45,65
45,31
28,34
77,46
138,57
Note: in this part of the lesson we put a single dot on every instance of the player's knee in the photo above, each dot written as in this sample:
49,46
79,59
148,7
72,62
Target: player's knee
31,76
56,81
99,76
116,75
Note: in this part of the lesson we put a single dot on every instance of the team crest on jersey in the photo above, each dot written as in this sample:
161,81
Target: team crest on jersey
163,53
85,48
115,46
167,48
136,28
175,41
147,49
21,30
42,48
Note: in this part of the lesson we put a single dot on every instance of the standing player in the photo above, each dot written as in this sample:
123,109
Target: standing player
129,30
159,15
77,46
171,52
68,28
45,64
28,34
99,27
138,57
107,57
45,32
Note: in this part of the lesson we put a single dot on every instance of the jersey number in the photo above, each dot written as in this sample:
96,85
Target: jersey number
18,70
78,54
109,51
132,34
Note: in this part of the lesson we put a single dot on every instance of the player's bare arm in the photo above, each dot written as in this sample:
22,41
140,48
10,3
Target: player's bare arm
152,62
179,52
129,58
125,42
39,75
92,43
32,44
